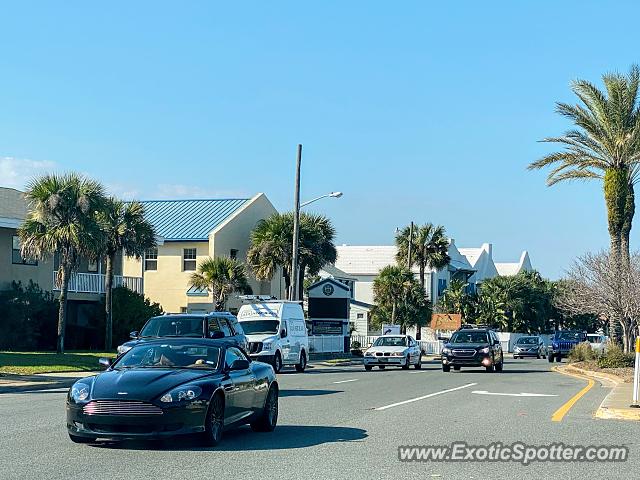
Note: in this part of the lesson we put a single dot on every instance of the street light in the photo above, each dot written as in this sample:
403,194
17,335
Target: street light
296,224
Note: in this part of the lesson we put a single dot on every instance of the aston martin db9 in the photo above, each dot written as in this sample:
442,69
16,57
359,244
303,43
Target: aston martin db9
172,387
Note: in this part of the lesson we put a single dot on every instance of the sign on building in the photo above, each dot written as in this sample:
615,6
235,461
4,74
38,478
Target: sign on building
446,321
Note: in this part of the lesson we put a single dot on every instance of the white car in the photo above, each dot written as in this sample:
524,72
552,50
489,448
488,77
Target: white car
393,350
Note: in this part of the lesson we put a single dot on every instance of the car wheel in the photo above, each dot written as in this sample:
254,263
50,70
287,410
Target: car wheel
446,368
303,362
214,424
269,417
538,357
559,358
489,368
78,439
456,367
498,366
277,362
418,365
550,358
515,357
407,363
381,367
368,368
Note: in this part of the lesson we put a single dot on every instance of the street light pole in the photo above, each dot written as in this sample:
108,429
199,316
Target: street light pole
293,295
410,246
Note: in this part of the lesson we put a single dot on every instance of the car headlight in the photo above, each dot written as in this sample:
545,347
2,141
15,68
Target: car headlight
446,351
397,354
267,346
179,394
369,353
80,392
484,350
123,349
516,349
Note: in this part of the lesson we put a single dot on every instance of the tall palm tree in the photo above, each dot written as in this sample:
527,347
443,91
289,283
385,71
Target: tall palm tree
222,276
429,249
454,298
271,246
126,231
390,286
604,146
61,220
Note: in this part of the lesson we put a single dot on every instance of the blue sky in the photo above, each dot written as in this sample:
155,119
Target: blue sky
417,111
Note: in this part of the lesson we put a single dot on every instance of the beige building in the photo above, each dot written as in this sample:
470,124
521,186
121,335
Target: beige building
191,231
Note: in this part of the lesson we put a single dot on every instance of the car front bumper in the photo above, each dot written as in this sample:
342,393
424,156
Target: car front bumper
261,357
478,360
522,353
392,361
178,420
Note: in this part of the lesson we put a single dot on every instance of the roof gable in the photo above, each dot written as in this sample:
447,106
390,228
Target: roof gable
192,220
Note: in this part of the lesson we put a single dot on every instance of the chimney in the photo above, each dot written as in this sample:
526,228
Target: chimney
488,247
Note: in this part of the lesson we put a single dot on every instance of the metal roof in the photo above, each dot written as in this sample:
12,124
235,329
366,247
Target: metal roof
185,220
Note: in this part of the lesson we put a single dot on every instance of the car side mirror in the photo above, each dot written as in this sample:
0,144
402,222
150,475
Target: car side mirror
217,334
496,342
443,339
133,335
105,362
283,333
240,364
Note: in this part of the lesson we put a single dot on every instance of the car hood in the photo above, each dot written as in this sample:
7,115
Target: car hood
467,345
262,337
141,383
387,349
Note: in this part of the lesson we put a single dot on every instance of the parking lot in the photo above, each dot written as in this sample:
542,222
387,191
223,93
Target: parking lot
341,422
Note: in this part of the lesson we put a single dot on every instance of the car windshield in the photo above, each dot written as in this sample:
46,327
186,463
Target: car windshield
569,336
390,342
527,341
256,327
470,337
173,327
170,356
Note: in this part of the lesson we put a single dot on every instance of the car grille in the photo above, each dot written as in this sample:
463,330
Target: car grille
119,407
383,354
566,345
255,347
459,352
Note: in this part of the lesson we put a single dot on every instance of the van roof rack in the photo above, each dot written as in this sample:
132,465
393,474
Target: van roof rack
265,299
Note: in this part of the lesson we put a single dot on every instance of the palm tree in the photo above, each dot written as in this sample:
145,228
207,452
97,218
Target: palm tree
222,276
604,146
61,220
126,231
454,298
429,249
271,246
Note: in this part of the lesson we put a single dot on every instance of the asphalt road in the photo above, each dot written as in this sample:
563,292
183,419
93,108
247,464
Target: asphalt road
342,423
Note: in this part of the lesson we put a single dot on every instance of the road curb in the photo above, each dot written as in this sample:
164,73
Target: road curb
603,412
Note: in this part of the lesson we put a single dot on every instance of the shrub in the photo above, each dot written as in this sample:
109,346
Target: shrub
582,353
614,357
130,312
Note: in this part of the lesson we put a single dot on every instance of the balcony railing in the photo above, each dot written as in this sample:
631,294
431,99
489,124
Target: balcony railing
94,282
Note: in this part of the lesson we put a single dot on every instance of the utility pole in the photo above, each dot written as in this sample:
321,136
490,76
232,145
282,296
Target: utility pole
296,229
410,246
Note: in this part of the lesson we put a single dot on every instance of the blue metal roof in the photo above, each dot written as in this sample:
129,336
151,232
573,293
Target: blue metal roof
184,220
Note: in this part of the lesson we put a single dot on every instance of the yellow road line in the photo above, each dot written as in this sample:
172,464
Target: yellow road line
564,409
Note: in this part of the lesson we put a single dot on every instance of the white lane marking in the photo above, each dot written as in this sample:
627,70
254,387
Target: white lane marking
345,381
425,396
484,392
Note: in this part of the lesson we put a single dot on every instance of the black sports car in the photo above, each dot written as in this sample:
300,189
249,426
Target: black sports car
170,387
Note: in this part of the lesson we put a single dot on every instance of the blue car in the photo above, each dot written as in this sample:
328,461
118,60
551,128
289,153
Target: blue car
562,343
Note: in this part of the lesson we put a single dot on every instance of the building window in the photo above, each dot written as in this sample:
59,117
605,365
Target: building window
442,286
360,316
189,259
16,254
151,259
183,309
233,254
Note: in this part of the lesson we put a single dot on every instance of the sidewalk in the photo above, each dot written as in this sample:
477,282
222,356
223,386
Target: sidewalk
42,381
616,404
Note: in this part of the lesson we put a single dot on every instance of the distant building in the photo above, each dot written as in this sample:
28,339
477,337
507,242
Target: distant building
193,230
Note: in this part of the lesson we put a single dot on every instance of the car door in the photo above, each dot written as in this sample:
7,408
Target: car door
413,354
239,387
285,342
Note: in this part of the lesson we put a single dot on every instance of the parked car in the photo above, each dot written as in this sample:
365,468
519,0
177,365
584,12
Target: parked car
277,333
562,343
473,347
597,341
393,351
192,325
529,347
168,387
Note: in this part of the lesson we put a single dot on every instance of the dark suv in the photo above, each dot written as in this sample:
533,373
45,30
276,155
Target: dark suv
196,325
473,347
562,343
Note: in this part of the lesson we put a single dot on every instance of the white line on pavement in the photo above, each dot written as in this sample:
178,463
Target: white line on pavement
425,396
484,392
345,381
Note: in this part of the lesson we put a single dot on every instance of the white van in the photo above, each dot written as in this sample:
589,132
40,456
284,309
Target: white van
276,332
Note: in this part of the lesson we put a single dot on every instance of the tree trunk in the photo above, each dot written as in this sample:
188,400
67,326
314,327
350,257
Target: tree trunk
108,300
62,311
616,187
630,210
422,284
393,313
287,283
